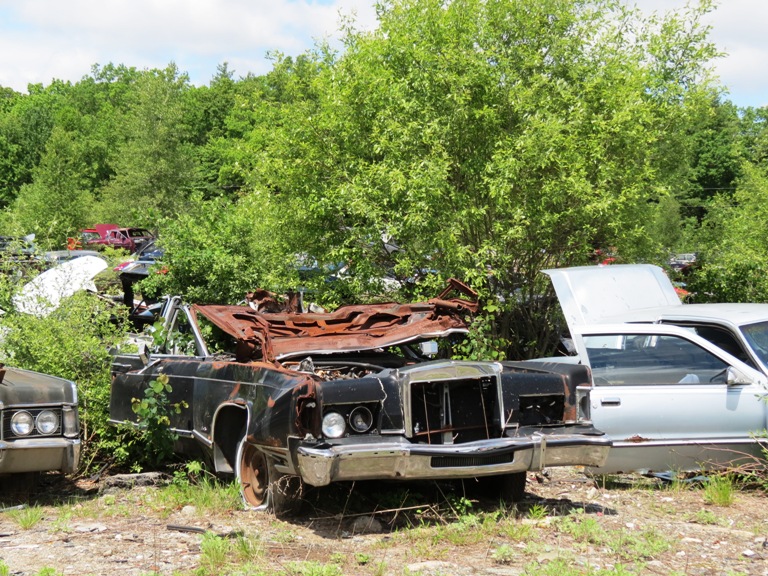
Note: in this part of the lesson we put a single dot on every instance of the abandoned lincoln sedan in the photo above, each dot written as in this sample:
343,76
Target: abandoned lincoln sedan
282,398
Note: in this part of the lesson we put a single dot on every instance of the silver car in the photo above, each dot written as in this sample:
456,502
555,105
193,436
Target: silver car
675,386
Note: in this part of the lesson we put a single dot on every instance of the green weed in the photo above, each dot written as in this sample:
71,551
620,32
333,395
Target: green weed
214,553
719,491
538,512
504,554
27,517
705,517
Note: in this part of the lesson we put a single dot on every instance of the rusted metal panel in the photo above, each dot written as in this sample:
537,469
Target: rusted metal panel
269,336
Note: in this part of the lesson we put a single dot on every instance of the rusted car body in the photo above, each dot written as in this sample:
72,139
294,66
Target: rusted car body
40,426
350,395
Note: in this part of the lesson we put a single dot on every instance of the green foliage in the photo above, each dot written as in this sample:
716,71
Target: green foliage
734,263
480,343
218,251
72,342
153,416
488,139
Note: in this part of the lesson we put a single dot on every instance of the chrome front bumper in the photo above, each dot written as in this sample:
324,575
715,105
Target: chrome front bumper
400,459
39,455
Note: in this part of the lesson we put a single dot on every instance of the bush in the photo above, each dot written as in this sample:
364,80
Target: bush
72,342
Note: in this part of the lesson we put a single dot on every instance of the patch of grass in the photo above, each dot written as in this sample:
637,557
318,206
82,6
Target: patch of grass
632,546
208,495
565,567
705,516
308,568
214,553
582,528
247,549
719,491
48,571
28,517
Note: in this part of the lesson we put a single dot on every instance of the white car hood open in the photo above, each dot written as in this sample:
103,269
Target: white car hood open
598,294
44,293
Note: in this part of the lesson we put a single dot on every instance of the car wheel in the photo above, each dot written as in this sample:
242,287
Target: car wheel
252,474
262,486
513,486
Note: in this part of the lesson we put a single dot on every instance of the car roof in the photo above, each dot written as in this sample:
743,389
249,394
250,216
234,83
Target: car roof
735,314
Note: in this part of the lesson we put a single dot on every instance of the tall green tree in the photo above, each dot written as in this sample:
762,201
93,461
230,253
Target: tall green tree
153,166
488,139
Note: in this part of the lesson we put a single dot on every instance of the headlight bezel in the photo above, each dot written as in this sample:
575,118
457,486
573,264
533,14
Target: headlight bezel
28,422
354,419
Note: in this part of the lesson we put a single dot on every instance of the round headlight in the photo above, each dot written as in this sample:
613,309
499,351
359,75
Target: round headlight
47,422
22,423
333,425
361,419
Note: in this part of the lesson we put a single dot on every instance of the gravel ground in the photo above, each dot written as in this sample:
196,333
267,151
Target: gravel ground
117,532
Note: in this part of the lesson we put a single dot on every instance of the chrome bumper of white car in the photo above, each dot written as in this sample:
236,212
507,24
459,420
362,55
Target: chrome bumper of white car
400,459
39,455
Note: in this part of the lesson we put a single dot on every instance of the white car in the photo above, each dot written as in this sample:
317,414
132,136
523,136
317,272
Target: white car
676,386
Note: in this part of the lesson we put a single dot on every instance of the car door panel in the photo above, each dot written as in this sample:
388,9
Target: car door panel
669,409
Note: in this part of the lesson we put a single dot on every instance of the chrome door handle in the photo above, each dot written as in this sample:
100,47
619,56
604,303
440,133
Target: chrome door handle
610,401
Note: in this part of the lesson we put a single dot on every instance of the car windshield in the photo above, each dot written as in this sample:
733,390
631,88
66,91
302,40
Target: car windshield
757,336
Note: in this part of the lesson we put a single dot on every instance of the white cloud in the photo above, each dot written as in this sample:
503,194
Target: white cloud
45,39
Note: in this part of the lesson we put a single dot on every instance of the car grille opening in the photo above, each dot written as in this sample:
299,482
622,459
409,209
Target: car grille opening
466,461
455,411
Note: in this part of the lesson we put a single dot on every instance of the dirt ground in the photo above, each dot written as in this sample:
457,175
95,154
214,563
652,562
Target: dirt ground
115,532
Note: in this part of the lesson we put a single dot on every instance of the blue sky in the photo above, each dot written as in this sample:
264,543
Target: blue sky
45,39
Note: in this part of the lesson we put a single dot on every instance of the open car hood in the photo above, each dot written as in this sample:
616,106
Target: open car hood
271,336
598,294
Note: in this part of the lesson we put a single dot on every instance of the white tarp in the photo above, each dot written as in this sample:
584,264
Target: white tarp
42,295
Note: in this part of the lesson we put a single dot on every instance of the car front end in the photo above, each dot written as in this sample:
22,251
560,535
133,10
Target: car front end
39,423
448,419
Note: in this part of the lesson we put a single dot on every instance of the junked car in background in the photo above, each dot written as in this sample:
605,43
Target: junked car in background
282,398
675,385
130,239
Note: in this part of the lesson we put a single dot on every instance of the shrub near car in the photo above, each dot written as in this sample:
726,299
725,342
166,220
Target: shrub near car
280,397
676,386
40,425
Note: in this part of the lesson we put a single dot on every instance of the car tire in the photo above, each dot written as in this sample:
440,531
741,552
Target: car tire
262,486
513,487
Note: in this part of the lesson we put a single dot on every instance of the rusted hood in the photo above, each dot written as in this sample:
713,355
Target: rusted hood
273,336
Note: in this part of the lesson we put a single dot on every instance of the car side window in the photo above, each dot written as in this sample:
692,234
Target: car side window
651,359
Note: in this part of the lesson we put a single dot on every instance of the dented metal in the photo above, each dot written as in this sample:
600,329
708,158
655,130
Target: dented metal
348,395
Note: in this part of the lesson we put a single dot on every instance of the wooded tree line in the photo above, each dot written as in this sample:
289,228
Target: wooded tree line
485,139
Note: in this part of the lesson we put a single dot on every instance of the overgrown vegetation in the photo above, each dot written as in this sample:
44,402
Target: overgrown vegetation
478,139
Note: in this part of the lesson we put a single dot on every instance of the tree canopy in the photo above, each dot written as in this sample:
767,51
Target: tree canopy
481,139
